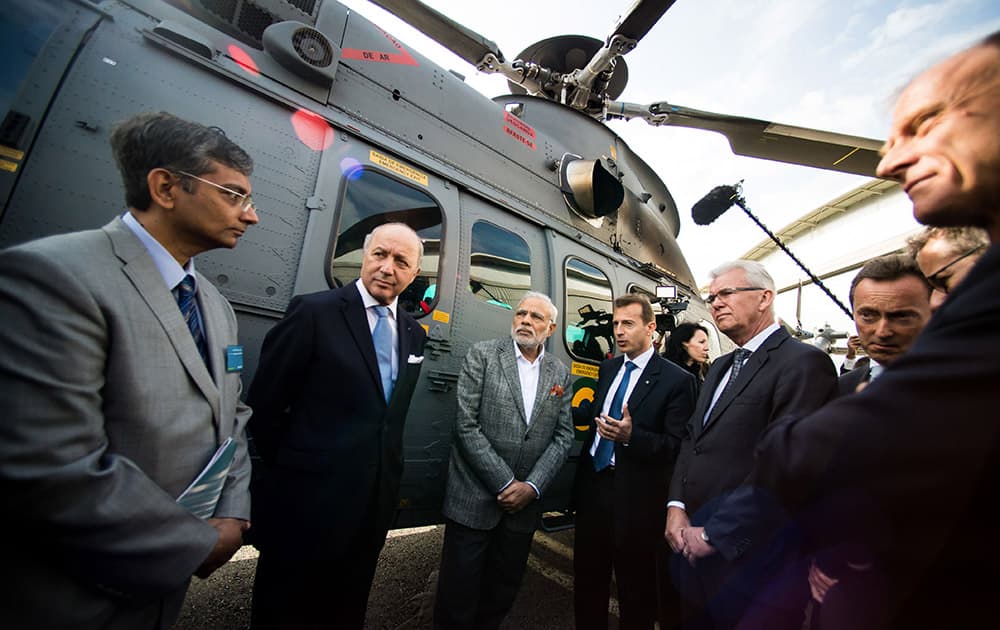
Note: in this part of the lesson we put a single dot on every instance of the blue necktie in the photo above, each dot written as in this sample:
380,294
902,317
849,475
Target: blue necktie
189,310
606,448
382,338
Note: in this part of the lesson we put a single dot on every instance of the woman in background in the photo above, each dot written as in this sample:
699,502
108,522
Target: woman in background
688,348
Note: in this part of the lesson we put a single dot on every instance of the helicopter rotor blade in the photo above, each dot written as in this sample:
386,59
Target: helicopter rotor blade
640,18
459,39
764,139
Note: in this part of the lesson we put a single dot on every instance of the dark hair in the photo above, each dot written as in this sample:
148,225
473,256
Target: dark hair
675,350
887,269
992,40
636,298
161,140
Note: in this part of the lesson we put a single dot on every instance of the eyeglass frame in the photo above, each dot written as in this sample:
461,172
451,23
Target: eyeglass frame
247,200
729,291
938,284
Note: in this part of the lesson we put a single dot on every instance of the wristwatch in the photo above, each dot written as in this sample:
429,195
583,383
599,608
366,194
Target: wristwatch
704,537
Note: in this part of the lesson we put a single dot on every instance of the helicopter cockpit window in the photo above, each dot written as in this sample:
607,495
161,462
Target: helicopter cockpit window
588,311
24,30
499,265
371,199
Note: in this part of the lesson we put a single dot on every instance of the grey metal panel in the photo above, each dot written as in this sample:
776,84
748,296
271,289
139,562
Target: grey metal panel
118,74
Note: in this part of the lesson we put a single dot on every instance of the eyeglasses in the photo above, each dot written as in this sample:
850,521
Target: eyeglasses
939,283
727,292
234,197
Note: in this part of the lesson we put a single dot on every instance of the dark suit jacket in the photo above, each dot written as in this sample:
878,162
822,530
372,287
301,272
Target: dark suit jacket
850,380
783,378
659,405
914,461
331,450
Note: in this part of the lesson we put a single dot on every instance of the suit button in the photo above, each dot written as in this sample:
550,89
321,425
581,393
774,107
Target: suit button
526,438
697,450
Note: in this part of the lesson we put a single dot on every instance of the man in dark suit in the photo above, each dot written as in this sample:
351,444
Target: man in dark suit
116,392
908,468
330,396
713,519
636,420
890,301
512,435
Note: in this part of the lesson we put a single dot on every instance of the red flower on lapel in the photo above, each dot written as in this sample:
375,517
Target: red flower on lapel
556,390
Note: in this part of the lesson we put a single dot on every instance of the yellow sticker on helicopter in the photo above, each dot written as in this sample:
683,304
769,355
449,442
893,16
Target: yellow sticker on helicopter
441,316
13,154
398,167
584,369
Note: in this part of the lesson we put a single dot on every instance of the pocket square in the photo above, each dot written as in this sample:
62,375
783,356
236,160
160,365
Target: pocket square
414,359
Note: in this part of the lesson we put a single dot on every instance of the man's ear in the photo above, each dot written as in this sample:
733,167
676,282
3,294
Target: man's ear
161,183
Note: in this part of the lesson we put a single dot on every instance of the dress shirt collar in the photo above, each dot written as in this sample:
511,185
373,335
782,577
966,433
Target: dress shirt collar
641,360
166,264
758,340
520,355
369,301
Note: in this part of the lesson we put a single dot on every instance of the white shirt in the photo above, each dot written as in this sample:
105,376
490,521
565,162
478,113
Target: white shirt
527,373
640,362
170,270
370,302
755,342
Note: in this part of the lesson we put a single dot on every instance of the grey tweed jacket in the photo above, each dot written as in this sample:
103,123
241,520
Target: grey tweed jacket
494,443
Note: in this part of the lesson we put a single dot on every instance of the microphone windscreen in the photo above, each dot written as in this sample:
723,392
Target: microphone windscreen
713,205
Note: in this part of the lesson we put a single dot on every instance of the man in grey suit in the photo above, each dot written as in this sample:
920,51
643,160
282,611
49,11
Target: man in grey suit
116,392
512,435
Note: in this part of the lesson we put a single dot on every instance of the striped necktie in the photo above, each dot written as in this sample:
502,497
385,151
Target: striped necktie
188,303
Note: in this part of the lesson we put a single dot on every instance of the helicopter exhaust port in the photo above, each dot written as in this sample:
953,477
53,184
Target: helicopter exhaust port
590,187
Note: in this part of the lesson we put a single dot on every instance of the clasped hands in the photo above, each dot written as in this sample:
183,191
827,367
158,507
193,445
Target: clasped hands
515,496
683,538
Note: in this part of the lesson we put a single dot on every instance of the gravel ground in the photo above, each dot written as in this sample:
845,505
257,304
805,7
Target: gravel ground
401,597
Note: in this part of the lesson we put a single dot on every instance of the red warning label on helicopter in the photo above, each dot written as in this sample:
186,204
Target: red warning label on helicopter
519,125
519,130
401,56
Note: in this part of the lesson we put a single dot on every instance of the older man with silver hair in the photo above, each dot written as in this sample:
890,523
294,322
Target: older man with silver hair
513,432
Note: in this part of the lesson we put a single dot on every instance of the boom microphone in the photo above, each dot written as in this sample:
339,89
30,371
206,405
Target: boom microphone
714,204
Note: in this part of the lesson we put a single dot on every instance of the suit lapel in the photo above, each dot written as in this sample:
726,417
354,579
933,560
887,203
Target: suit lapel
138,267
508,361
750,369
546,380
357,323
404,329
645,384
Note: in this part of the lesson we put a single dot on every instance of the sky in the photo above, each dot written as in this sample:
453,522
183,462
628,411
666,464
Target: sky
835,65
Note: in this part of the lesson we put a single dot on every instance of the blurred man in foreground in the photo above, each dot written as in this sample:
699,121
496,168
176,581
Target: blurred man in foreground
908,468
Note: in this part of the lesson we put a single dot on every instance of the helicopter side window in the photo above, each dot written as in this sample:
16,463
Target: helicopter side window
589,335
371,199
499,265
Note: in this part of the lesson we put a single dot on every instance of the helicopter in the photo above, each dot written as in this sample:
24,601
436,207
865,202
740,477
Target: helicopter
350,128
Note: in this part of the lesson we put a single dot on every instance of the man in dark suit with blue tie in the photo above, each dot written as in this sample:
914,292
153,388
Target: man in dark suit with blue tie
636,421
330,396
718,526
